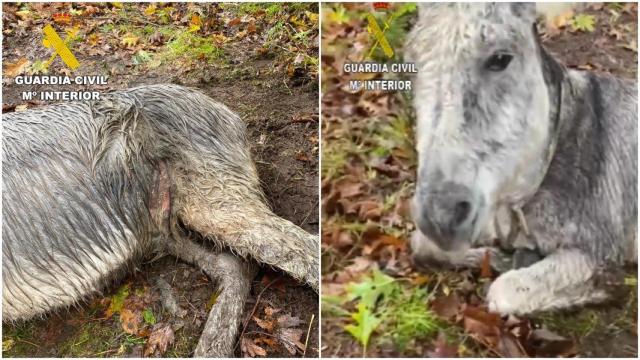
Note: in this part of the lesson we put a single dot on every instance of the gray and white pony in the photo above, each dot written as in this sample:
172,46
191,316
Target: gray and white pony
518,152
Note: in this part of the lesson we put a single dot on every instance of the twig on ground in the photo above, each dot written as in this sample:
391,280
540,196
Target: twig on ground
306,342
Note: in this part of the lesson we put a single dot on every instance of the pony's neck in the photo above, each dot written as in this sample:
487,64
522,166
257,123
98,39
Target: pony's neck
556,81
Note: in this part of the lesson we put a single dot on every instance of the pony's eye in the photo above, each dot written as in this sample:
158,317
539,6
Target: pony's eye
498,62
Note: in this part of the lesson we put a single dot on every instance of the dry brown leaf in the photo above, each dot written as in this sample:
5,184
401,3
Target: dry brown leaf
482,324
301,156
251,28
338,239
129,41
509,347
267,341
249,348
195,20
130,321
269,311
290,338
160,339
550,344
289,321
265,324
485,266
16,68
560,21
447,307
360,265
349,189
370,210
442,349
383,240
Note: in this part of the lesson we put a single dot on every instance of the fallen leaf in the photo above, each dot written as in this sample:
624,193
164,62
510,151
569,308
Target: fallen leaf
21,107
249,348
117,301
267,341
148,317
160,339
366,323
251,28
485,266
130,321
298,59
384,240
150,10
24,14
219,39
289,321
129,41
370,210
582,22
301,156
290,338
62,18
442,349
549,344
157,38
447,307
349,189
213,300
371,288
269,311
264,324
16,68
509,347
484,325
7,344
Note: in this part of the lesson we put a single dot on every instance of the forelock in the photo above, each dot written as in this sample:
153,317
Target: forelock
447,31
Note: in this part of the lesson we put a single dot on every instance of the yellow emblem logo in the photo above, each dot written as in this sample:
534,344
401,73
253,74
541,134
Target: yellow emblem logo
52,40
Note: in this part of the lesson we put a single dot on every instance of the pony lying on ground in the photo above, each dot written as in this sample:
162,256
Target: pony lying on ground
92,188
516,152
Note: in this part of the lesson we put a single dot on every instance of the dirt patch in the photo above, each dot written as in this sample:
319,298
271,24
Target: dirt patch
280,106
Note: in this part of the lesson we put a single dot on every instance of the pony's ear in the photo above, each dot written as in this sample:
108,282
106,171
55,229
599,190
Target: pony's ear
524,11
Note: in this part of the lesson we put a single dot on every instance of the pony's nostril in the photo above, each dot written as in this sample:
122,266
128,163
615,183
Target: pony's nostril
461,212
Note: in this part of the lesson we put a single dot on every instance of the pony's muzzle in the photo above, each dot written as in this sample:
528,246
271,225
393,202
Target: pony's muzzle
445,213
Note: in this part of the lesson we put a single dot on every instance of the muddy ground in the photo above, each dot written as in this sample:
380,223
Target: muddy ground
367,180
281,111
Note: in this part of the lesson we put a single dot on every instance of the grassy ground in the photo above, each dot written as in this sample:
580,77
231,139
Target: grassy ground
261,60
374,303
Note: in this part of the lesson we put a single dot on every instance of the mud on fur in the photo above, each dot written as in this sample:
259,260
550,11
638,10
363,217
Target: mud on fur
92,188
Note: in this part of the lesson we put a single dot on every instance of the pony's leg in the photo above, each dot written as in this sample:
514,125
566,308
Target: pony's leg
234,276
562,279
232,213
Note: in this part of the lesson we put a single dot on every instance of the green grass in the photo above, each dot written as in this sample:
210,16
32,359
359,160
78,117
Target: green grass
380,310
16,338
335,156
90,339
577,324
409,317
192,46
